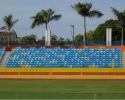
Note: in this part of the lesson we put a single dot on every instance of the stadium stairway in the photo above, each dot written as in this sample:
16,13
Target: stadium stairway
5,59
123,59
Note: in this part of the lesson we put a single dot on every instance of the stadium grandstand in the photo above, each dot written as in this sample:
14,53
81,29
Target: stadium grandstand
48,61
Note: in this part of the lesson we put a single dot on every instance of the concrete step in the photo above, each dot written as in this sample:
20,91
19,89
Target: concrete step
123,59
5,59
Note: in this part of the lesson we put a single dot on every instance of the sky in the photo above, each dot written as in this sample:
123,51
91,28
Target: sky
24,9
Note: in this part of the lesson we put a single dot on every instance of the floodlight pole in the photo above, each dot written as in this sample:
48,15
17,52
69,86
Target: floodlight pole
72,37
73,33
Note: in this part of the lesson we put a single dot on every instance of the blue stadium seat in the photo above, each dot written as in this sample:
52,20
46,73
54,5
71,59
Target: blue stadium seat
69,58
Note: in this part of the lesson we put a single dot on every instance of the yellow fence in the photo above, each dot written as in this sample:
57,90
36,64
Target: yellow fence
62,73
62,69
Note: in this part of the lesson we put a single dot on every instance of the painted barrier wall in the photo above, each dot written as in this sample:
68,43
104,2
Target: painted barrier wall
9,48
62,69
62,73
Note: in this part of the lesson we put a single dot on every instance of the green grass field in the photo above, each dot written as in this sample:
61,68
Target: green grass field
61,90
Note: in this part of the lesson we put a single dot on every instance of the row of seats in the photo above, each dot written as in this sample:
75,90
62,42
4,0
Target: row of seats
69,57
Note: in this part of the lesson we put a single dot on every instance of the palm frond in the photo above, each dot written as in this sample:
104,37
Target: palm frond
88,6
14,22
42,16
82,9
4,27
32,17
95,13
55,17
50,12
33,23
37,20
115,12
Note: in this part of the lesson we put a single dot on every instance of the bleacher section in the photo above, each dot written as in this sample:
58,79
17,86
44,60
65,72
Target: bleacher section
2,50
69,58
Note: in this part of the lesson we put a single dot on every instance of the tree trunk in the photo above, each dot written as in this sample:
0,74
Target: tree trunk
122,36
84,35
9,37
46,26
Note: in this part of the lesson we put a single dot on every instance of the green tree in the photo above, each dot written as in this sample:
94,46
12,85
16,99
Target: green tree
84,9
79,37
44,17
8,20
121,19
89,36
100,32
29,39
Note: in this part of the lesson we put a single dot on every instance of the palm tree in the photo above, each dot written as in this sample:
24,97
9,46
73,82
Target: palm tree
121,20
54,37
67,40
8,20
84,9
44,17
61,39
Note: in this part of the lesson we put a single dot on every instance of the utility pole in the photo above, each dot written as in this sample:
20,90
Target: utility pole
26,30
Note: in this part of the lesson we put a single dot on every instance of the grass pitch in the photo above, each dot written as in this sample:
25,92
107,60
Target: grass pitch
62,90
